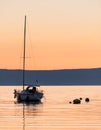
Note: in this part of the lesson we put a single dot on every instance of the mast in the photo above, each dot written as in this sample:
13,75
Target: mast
24,54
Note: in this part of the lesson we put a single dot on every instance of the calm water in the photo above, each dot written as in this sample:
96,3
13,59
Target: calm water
55,112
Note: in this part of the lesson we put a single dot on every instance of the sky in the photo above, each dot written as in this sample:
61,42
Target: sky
61,34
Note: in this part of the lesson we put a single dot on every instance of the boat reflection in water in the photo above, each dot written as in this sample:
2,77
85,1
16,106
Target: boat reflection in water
30,111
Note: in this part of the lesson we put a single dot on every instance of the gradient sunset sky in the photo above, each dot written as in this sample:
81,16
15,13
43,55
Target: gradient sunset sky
61,34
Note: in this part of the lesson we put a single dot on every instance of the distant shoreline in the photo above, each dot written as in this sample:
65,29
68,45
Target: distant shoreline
60,77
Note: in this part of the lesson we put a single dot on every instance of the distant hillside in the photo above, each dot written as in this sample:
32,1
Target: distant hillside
52,77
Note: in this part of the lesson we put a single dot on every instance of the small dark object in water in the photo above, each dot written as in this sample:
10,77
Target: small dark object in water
76,101
70,102
87,100
80,98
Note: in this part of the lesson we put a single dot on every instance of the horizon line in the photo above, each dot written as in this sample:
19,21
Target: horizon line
54,69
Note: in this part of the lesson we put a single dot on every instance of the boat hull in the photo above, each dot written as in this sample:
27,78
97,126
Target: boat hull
27,97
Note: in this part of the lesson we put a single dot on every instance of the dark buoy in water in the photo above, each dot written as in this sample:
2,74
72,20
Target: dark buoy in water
80,98
76,101
86,99
70,102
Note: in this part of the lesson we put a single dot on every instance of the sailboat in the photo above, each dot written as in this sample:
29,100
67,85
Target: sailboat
31,92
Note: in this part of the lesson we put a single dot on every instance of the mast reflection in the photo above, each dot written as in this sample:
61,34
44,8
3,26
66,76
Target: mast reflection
30,110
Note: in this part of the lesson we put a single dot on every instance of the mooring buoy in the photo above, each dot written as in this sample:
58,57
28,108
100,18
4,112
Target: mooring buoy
87,100
76,101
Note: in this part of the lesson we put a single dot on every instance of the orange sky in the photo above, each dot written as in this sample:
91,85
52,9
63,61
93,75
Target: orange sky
61,34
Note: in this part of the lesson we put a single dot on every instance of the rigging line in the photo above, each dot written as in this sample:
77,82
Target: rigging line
31,45
19,68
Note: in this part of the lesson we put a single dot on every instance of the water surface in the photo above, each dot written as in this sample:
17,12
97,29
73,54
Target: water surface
54,112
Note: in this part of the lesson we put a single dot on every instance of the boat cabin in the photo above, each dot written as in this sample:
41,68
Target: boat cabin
31,89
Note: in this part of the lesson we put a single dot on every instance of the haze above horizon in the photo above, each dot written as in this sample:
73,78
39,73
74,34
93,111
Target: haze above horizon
61,34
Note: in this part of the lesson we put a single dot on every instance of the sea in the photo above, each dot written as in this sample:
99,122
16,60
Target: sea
54,112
